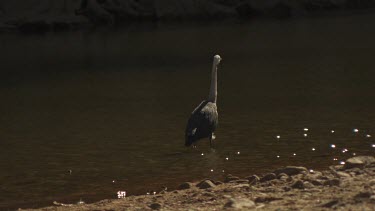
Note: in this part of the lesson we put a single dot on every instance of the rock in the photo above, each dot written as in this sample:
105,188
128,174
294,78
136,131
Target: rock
354,171
268,177
291,170
279,176
316,182
353,163
227,190
208,194
163,192
343,174
155,206
363,195
298,184
332,182
205,184
299,176
229,178
316,174
240,181
241,186
185,185
218,183
240,203
313,176
284,177
308,185
286,188
359,162
263,199
253,179
323,177
337,167
330,203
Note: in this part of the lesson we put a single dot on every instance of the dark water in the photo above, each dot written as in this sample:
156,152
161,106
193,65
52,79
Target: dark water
111,106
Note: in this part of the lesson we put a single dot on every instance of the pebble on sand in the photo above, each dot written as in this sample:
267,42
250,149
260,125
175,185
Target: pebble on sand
230,177
185,185
240,203
206,184
291,170
268,177
359,162
253,179
332,182
298,184
155,206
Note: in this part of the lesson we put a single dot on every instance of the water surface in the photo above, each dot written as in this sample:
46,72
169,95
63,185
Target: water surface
111,105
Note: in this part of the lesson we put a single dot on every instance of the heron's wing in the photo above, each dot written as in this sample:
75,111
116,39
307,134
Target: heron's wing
199,107
195,120
210,115
203,119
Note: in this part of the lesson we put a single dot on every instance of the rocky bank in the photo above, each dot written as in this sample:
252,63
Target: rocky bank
350,186
45,15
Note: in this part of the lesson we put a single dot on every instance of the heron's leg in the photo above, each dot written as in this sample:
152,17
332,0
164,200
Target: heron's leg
212,137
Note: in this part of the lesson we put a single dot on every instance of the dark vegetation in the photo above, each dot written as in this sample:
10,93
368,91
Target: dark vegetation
39,16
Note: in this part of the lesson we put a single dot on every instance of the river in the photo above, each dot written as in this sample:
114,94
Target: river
85,114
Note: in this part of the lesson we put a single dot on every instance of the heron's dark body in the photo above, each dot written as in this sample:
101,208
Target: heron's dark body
202,122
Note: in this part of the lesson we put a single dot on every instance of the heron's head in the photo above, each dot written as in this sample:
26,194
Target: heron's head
217,60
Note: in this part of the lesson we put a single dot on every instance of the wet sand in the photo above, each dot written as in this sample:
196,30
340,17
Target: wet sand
350,186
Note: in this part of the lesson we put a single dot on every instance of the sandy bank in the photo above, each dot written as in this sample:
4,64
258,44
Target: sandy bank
344,187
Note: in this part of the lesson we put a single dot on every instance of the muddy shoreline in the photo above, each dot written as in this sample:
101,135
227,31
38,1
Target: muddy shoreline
349,186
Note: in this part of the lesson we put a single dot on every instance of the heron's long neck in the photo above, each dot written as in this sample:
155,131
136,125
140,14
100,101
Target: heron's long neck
213,89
